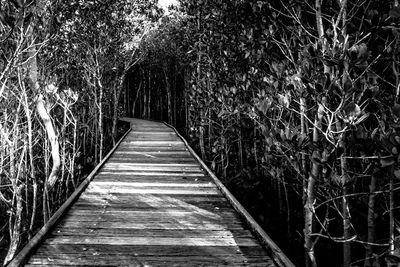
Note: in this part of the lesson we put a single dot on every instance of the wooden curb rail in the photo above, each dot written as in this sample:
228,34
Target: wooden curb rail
275,252
23,255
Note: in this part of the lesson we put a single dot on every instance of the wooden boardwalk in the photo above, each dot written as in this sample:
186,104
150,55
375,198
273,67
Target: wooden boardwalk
151,204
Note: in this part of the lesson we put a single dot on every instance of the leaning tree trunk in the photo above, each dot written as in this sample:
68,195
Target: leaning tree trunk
45,117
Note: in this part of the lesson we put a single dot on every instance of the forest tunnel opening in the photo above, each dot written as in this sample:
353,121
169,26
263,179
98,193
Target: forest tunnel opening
156,91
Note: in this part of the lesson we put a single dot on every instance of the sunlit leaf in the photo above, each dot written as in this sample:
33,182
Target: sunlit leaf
395,12
352,110
388,161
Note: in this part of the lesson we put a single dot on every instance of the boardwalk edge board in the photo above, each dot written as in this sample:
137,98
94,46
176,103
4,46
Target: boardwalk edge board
23,255
276,253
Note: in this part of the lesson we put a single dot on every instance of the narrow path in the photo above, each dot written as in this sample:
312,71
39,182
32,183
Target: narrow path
151,204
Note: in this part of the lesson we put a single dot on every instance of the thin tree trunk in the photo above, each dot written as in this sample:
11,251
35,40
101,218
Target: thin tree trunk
391,215
369,259
174,97
149,90
255,138
303,154
309,206
186,102
63,149
44,115
136,98
201,137
16,232
116,94
168,88
240,143
321,32
391,186
101,130
31,165
346,217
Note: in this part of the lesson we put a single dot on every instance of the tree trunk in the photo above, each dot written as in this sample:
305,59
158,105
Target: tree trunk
116,94
149,89
345,210
303,154
391,214
101,130
136,98
201,137
309,206
369,259
240,143
31,164
16,232
169,100
321,32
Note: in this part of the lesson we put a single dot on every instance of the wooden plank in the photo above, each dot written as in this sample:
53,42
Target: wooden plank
153,165
155,143
151,174
153,149
151,184
150,214
133,260
160,224
148,241
154,233
144,159
182,202
148,150
198,179
154,191
179,153
145,217
149,232
140,250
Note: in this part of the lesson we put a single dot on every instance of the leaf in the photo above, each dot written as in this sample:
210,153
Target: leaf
397,139
336,178
397,174
284,100
263,105
362,50
388,161
347,85
362,118
396,110
321,111
352,110
395,12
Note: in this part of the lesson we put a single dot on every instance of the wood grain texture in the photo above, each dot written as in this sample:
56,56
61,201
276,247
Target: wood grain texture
150,204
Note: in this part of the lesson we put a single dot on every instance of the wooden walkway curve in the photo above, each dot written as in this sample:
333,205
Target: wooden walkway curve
152,203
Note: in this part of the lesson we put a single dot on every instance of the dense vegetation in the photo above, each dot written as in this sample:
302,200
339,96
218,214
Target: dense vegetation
59,68
294,104
299,100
